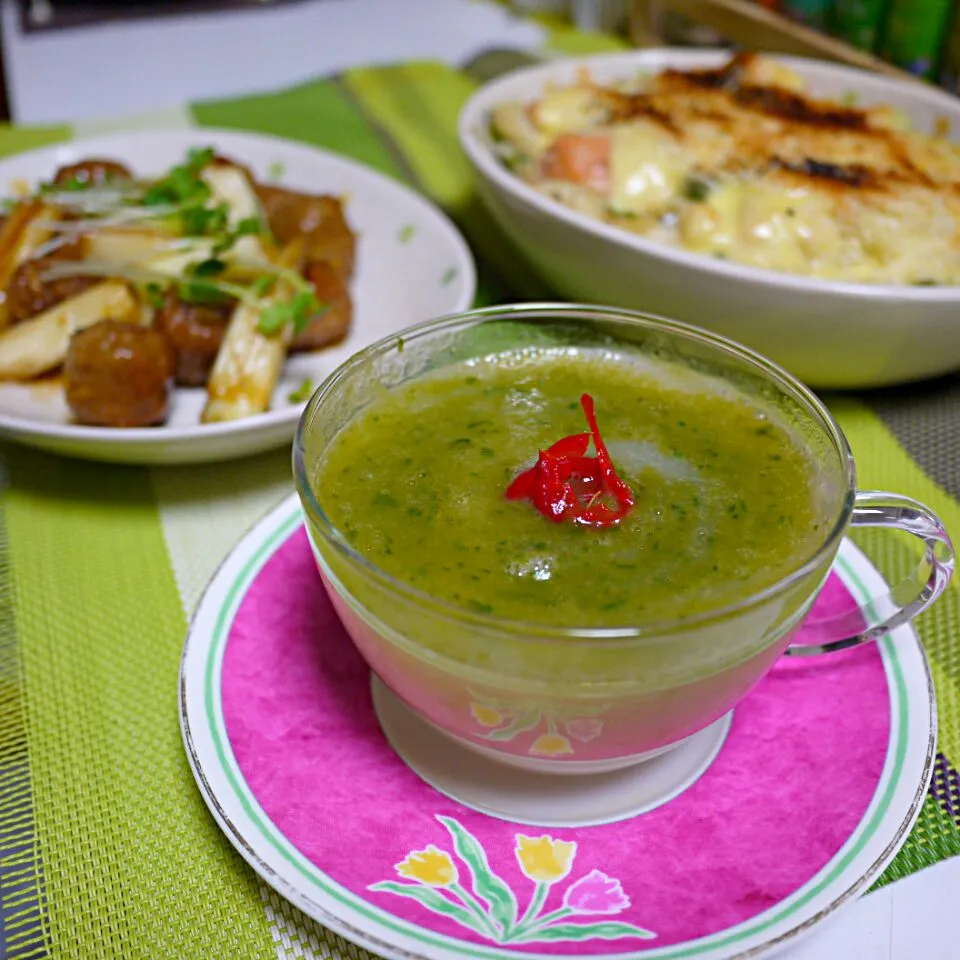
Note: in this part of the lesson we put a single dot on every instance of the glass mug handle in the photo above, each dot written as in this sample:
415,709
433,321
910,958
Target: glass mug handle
906,600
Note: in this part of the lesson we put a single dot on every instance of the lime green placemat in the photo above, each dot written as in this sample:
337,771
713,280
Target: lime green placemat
105,846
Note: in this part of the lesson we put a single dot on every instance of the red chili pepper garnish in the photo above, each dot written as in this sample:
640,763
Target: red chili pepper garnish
572,446
567,485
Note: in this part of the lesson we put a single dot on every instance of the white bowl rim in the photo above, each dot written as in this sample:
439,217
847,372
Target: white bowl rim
474,110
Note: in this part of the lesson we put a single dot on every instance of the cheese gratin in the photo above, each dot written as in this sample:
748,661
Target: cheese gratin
741,163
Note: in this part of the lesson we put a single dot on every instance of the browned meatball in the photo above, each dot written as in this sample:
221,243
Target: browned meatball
29,294
94,171
195,332
320,218
118,375
332,324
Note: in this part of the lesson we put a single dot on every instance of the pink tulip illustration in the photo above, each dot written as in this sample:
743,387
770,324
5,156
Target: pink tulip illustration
596,893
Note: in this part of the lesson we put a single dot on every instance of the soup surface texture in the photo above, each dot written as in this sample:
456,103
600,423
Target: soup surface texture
725,499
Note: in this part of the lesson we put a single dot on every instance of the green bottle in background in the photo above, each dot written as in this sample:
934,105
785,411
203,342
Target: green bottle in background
857,22
950,61
913,33
814,13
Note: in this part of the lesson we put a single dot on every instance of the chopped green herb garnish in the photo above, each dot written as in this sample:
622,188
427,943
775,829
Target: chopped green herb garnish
154,294
696,189
273,318
479,607
210,267
202,221
249,227
74,184
276,170
202,287
199,157
263,285
298,312
406,233
202,291
302,393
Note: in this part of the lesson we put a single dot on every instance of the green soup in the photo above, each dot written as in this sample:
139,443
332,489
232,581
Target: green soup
725,492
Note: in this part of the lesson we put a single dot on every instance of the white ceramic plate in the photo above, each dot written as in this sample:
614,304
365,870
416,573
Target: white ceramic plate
830,334
884,826
412,265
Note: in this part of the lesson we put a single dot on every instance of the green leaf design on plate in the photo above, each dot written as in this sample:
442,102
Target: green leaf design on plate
486,884
605,930
520,725
436,902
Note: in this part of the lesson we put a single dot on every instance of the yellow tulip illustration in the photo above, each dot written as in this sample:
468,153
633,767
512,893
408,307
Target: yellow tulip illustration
485,716
430,866
551,745
544,859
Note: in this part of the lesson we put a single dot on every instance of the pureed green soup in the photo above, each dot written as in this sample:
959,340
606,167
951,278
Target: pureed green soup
725,492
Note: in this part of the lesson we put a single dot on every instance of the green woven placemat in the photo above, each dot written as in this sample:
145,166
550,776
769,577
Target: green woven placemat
105,846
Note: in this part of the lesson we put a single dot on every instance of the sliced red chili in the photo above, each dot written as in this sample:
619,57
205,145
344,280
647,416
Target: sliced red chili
566,485
572,446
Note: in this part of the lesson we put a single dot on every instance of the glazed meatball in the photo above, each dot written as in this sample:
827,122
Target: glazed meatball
195,332
118,375
332,324
29,294
95,172
320,218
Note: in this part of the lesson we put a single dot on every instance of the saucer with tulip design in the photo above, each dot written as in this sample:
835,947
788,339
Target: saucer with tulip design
813,790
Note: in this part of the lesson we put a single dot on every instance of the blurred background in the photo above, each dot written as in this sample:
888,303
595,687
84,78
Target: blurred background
69,59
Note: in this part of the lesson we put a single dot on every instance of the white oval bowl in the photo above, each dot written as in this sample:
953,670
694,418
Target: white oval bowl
830,334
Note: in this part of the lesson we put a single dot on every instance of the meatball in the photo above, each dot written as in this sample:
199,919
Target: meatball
94,172
319,218
118,375
195,332
29,294
330,326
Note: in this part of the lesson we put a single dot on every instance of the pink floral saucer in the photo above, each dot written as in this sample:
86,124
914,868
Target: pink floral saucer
812,791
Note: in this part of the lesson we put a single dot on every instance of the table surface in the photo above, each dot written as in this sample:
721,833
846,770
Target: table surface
86,74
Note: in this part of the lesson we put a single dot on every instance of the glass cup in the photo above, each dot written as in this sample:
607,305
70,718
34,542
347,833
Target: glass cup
574,699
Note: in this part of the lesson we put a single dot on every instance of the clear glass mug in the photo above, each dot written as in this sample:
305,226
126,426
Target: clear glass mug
588,700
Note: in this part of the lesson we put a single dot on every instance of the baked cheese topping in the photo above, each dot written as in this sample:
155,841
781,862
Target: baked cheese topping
741,163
